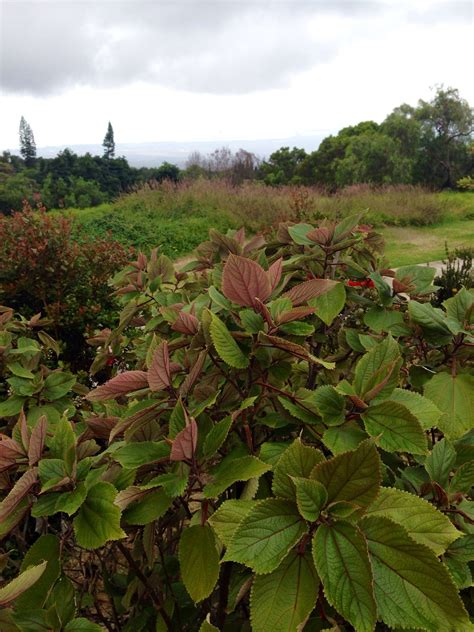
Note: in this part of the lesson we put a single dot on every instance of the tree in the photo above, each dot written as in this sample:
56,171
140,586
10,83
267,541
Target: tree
109,142
27,143
283,165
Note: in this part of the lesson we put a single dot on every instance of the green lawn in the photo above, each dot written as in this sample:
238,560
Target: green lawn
411,244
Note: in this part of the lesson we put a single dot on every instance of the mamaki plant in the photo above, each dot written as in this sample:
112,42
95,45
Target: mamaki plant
287,444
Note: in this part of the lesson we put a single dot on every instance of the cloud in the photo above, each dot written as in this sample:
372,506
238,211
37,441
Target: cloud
207,46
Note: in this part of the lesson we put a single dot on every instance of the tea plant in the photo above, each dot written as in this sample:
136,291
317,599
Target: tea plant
286,444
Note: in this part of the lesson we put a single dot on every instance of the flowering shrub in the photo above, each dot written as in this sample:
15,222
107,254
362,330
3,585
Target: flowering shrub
278,450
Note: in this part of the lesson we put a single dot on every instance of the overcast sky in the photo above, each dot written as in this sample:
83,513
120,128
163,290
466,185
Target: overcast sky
221,69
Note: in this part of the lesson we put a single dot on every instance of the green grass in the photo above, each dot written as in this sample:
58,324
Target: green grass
415,222
410,244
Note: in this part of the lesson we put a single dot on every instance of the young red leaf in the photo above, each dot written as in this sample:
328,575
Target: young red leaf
17,493
303,292
186,323
295,314
38,436
102,426
274,273
193,374
159,373
185,442
244,281
121,384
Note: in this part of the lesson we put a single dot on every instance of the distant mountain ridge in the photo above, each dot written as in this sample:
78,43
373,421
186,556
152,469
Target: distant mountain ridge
152,154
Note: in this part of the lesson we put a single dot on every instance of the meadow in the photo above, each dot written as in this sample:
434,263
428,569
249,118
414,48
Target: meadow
415,222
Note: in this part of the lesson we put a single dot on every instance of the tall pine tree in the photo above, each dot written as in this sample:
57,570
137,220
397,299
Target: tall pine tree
109,143
27,143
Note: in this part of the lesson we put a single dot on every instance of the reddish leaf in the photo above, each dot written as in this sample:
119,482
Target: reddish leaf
19,491
185,442
295,314
144,415
159,373
307,290
9,452
265,312
274,273
129,495
256,242
121,384
24,432
186,323
239,236
37,438
102,426
244,281
193,374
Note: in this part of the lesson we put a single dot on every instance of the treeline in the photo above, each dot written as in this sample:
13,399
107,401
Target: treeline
430,145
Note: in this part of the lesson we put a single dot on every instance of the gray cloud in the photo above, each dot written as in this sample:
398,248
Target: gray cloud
218,46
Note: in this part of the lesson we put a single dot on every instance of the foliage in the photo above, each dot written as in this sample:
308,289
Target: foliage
47,266
456,273
109,142
27,143
286,444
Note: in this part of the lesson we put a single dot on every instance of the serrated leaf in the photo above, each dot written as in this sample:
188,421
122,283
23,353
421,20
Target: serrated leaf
339,439
225,345
67,502
121,384
311,497
375,366
463,479
342,561
199,561
216,437
423,408
228,517
98,520
148,508
298,233
20,584
57,384
454,396
232,470
45,549
457,307
423,522
185,443
283,600
353,476
297,460
329,304
380,319
462,549
395,428
265,536
329,403
412,587
441,461
308,290
159,373
133,455
82,625
251,321
244,280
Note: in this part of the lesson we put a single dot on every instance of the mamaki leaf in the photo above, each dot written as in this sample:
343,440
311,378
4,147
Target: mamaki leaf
424,409
454,396
311,497
379,365
304,292
98,520
225,345
228,517
423,522
159,372
244,280
412,587
17,493
395,428
297,460
265,536
20,584
132,455
232,470
342,561
329,304
121,384
185,442
441,461
45,549
283,600
199,561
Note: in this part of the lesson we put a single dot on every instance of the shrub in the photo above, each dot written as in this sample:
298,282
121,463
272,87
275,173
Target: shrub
286,444
47,265
456,273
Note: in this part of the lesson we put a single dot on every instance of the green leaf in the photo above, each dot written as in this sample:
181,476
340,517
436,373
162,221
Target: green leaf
441,461
454,396
98,520
423,522
380,319
329,403
232,470
57,385
378,367
462,549
208,627
228,517
266,535
420,276
225,345
395,428
342,438
353,476
330,304
297,460
133,455
199,561
311,497
457,307
432,321
45,549
11,406
463,479
154,505
341,559
216,437
251,321
424,409
298,233
297,329
460,572
412,587
63,444
82,625
283,600
20,584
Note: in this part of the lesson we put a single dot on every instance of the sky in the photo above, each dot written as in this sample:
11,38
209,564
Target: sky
190,70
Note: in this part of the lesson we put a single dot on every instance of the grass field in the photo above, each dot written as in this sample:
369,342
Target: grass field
414,222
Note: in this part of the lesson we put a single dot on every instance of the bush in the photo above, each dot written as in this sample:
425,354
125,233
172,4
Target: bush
456,273
286,444
48,265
